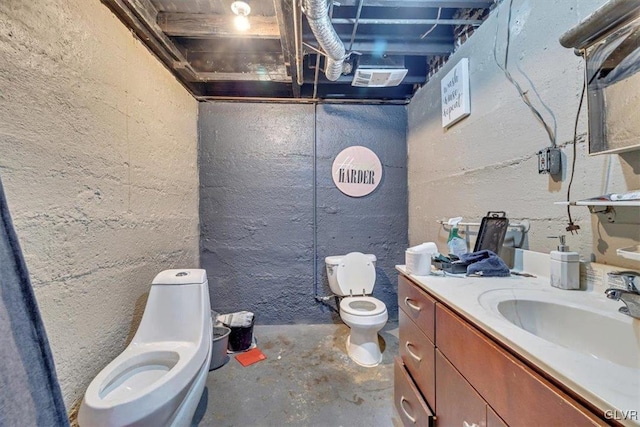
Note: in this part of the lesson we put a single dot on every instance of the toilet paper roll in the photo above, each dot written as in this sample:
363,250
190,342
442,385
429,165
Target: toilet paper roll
428,247
418,263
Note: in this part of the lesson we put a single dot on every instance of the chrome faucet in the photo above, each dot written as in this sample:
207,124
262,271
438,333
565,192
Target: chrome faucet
630,295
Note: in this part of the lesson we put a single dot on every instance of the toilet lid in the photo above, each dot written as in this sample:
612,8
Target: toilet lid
362,306
356,274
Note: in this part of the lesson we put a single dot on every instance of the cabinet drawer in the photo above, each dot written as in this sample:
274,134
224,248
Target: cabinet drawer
493,420
519,395
417,353
419,306
458,403
411,407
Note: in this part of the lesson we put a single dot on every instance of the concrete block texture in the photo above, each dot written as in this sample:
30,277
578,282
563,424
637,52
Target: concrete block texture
256,204
98,146
488,160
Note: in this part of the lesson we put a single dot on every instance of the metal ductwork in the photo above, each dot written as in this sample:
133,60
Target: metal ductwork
317,12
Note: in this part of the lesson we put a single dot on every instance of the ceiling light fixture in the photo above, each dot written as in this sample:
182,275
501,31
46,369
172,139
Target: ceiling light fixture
242,11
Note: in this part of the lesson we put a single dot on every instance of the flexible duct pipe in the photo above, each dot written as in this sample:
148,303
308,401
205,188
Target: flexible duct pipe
317,12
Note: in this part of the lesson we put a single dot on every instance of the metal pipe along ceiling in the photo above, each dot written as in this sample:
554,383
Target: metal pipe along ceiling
317,12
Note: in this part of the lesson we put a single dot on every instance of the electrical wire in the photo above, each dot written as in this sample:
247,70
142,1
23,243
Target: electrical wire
573,227
523,94
434,25
355,25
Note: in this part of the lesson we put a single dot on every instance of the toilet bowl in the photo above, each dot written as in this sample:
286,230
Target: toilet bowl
353,277
159,378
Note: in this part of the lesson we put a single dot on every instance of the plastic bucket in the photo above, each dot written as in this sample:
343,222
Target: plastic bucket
240,338
219,346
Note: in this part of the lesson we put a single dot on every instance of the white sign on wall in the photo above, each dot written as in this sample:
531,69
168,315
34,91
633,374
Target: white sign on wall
454,88
356,171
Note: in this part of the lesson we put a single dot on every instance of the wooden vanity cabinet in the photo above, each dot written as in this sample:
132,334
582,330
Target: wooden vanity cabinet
416,364
493,420
466,378
416,319
458,403
417,353
418,306
518,394
410,405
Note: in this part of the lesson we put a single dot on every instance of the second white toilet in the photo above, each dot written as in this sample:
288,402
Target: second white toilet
353,277
159,378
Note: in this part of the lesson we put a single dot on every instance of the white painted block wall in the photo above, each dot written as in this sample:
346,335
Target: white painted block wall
488,162
98,156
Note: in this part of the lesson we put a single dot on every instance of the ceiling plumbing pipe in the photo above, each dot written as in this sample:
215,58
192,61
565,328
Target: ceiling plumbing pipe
297,41
317,12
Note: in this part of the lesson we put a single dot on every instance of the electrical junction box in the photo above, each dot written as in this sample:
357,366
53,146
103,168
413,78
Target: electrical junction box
550,161
373,71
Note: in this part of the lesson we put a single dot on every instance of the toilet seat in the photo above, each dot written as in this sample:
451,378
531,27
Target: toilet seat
142,379
356,274
362,306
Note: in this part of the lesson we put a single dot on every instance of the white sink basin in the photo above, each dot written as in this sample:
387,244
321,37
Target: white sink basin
582,326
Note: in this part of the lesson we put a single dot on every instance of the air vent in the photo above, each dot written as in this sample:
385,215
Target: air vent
378,77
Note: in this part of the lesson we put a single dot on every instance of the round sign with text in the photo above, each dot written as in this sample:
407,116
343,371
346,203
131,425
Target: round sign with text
356,171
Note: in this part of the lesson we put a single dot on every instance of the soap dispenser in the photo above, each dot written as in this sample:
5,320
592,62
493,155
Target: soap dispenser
565,267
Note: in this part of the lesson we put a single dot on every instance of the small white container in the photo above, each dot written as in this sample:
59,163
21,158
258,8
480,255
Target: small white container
418,258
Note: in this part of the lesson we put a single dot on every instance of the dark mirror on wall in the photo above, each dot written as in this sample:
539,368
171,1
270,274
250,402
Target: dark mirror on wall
613,91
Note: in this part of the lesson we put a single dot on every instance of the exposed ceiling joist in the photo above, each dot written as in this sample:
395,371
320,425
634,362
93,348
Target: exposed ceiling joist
244,77
414,48
204,25
454,4
228,45
393,21
410,80
276,58
136,13
284,16
249,89
240,62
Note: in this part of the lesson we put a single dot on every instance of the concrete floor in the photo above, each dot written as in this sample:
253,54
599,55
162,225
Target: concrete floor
306,380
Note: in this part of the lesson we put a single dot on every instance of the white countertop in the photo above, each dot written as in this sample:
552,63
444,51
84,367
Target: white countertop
608,386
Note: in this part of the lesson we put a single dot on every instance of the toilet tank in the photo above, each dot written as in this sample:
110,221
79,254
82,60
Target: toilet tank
177,308
183,276
331,262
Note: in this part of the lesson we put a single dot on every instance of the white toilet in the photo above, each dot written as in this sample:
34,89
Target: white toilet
159,378
353,276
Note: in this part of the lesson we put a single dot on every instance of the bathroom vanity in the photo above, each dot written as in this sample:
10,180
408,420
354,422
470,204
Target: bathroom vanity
462,363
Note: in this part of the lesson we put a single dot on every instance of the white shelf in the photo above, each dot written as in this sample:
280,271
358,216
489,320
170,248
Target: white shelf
601,203
632,252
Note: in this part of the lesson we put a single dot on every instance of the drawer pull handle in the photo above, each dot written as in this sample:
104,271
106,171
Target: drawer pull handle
411,353
411,305
402,400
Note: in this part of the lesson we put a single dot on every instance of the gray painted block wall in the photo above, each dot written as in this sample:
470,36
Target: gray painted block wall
256,204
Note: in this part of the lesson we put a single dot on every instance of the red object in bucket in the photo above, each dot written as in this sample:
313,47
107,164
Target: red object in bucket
250,357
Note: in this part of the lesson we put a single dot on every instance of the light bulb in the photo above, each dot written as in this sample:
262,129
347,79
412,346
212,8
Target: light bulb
241,23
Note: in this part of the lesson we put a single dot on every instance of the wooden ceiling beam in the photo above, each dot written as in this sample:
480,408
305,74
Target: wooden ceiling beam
200,25
285,17
280,77
230,46
139,15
